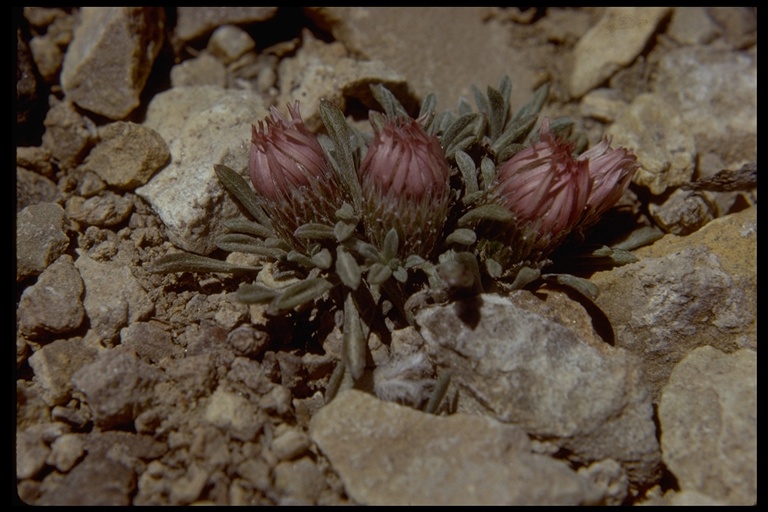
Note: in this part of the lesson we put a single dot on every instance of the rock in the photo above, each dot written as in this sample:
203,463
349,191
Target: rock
66,451
55,363
610,477
117,386
35,158
664,144
686,292
229,43
708,416
604,104
32,448
68,135
150,341
412,43
726,81
53,305
692,25
289,442
300,482
388,454
94,481
614,42
194,22
41,237
323,71
113,297
32,188
111,55
512,359
128,155
205,69
682,212
738,24
107,209
203,126
233,413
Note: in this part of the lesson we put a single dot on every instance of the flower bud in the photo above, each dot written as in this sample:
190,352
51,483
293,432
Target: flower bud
611,171
291,175
545,188
404,177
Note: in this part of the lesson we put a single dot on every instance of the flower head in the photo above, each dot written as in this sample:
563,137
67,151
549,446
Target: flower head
611,171
284,154
545,188
404,177
289,171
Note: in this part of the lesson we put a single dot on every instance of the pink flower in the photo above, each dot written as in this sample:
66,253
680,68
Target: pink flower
290,173
404,177
284,155
545,187
611,171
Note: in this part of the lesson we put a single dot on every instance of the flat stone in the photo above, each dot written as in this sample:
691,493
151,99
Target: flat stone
41,237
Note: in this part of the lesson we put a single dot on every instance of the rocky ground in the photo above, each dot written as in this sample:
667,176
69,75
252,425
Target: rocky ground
138,388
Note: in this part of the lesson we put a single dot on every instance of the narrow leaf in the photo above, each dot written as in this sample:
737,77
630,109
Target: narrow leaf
254,294
299,293
489,211
585,287
525,276
323,259
340,134
413,261
497,114
378,273
462,236
236,185
301,259
392,106
187,262
515,132
343,230
494,268
354,343
391,244
468,171
534,106
314,231
248,227
401,275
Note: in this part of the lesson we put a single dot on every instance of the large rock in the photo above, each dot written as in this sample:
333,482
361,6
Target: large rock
513,359
110,58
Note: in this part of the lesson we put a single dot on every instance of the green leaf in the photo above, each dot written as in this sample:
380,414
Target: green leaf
343,230
645,235
441,387
249,228
323,259
462,236
238,242
236,185
413,261
346,213
428,105
515,132
300,293
488,172
301,259
489,211
497,114
400,274
583,286
468,171
369,251
391,105
525,276
347,269
314,231
354,341
534,106
340,134
378,273
254,294
391,244
457,134
494,268
188,262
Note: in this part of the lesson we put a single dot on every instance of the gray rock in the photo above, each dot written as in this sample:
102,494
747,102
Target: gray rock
685,292
194,22
412,42
117,386
107,209
322,71
233,413
512,360
32,188
68,135
128,155
35,158
66,451
41,237
726,81
682,212
94,481
111,55
662,141
708,416
203,126
614,42
55,363
113,297
229,43
150,341
388,454
205,69
289,442
300,481
692,25
32,448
